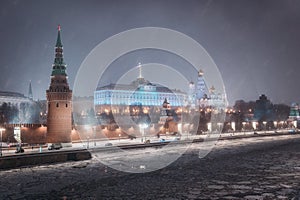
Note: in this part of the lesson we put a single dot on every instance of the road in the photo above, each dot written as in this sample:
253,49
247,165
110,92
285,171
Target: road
91,144
249,168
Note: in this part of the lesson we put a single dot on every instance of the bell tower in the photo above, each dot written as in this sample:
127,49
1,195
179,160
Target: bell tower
59,100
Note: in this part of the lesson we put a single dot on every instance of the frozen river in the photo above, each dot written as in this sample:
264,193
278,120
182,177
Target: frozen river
249,168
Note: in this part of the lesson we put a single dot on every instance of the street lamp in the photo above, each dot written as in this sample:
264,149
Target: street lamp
118,130
94,129
295,124
209,127
188,125
142,129
180,128
275,124
219,125
265,124
88,142
244,123
233,126
281,123
1,129
254,125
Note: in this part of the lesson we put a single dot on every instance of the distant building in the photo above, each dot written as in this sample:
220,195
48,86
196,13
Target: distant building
118,97
294,116
263,110
16,108
201,91
215,99
294,112
13,98
59,99
200,97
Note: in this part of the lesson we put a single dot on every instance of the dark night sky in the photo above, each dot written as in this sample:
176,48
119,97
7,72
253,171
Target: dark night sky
255,43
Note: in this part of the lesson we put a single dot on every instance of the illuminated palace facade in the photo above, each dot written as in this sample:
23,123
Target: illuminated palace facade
118,97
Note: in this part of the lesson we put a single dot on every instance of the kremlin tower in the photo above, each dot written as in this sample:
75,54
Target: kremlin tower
201,86
59,100
201,90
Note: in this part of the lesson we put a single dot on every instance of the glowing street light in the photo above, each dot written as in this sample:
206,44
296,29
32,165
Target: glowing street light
295,124
88,142
275,124
142,128
189,129
254,125
209,128
233,126
118,130
94,130
219,125
244,126
1,130
265,124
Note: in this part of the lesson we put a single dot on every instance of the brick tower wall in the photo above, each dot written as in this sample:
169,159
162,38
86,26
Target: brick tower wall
59,120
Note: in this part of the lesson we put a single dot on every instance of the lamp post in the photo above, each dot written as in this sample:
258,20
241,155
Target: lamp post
244,127
295,124
233,126
254,125
219,125
275,125
265,124
180,128
94,129
118,131
188,131
1,129
209,127
142,129
282,124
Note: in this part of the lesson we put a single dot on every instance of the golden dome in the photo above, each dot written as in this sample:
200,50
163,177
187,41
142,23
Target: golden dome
200,73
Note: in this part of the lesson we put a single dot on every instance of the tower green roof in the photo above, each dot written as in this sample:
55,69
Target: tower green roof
58,41
59,67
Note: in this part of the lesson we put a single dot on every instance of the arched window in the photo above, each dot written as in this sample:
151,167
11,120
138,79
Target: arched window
57,104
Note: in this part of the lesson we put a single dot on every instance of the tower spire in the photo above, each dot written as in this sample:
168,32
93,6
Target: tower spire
58,41
30,96
140,70
59,67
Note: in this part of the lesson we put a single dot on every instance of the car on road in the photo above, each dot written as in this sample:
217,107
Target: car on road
131,137
108,144
292,131
19,150
147,142
55,146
